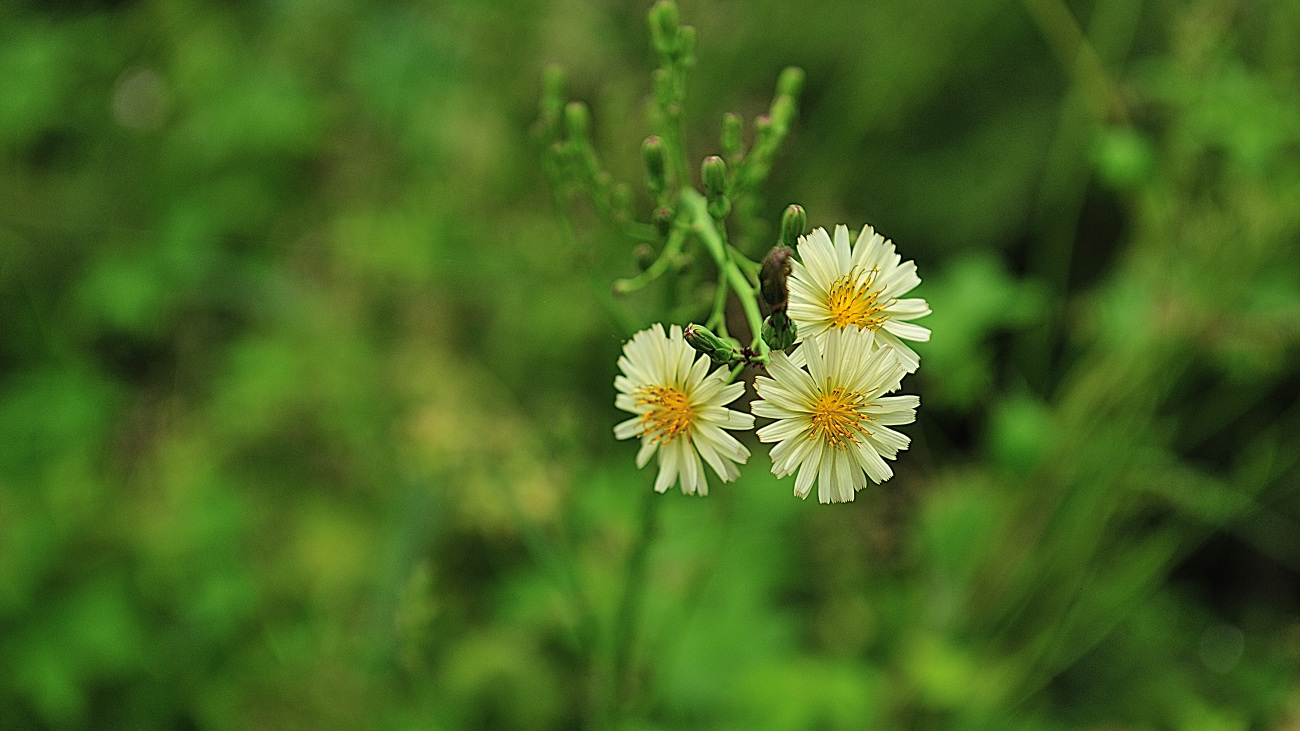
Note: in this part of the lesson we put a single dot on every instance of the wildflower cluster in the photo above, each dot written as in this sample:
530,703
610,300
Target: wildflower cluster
828,396
826,319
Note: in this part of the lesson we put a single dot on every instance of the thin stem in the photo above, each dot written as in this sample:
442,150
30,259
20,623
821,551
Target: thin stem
717,321
1078,56
629,608
657,267
708,234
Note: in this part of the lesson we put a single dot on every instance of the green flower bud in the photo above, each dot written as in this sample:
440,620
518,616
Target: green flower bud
644,255
653,152
553,88
733,129
663,221
723,352
714,174
790,81
686,45
779,331
577,120
772,277
621,201
793,222
663,26
762,124
783,111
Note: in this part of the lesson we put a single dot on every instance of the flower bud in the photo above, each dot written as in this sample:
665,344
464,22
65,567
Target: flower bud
772,278
779,331
577,120
686,45
663,221
553,87
663,26
732,133
653,152
644,255
620,198
790,82
714,174
723,352
793,222
783,111
762,124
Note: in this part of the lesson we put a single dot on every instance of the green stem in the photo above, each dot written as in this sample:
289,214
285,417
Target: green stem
706,231
629,608
656,268
717,321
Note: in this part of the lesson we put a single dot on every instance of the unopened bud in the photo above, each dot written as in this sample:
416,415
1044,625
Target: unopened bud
714,174
577,120
663,221
783,110
653,152
762,124
779,331
644,255
772,278
793,222
790,81
732,133
723,352
553,88
663,26
686,45
621,201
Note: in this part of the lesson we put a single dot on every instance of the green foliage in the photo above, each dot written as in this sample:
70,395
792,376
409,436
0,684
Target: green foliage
305,399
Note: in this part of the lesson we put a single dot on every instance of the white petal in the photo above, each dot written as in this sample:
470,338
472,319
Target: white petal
647,450
628,429
722,442
874,466
888,442
693,471
907,331
723,468
808,472
783,429
908,357
895,410
727,418
668,466
789,454
825,478
698,372
843,255
818,255
909,309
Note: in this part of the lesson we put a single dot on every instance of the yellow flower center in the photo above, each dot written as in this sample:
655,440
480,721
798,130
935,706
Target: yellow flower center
837,418
853,300
671,416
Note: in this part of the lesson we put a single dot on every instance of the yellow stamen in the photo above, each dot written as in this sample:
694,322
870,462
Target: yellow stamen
853,300
837,417
671,416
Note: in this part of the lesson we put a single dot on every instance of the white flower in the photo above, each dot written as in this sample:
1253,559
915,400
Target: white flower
681,410
832,420
833,287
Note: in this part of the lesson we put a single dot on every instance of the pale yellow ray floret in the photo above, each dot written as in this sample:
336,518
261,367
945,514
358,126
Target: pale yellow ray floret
680,410
832,419
835,286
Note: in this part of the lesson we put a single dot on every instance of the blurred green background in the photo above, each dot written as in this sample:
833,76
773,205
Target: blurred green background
306,404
